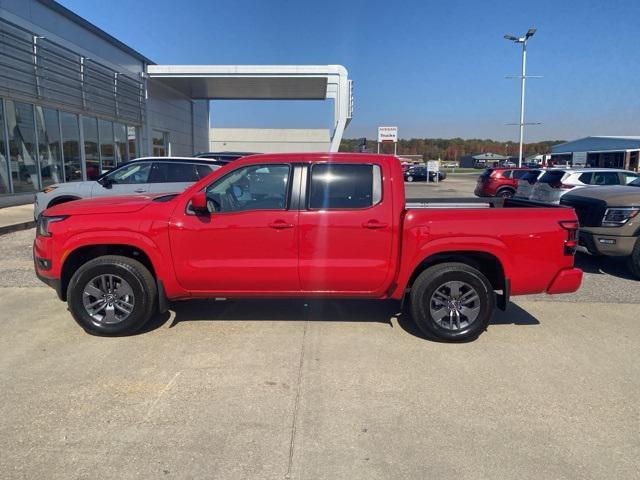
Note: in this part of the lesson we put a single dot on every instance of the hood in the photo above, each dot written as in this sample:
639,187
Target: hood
616,195
101,205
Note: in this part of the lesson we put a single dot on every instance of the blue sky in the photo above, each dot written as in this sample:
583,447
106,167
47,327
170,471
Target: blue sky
433,68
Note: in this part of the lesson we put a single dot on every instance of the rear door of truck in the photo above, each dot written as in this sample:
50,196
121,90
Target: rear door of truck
346,228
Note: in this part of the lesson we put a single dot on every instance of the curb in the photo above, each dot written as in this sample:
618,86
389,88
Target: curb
16,227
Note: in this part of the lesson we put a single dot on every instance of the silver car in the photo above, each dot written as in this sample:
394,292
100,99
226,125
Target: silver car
555,182
144,175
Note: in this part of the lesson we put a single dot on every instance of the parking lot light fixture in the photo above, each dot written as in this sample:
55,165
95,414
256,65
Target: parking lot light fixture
523,40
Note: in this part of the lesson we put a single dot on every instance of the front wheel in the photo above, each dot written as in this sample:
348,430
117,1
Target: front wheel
409,178
452,301
112,295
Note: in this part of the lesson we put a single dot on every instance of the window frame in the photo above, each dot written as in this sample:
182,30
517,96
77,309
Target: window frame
288,192
307,199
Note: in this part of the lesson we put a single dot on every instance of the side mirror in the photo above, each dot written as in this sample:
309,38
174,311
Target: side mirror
199,203
105,182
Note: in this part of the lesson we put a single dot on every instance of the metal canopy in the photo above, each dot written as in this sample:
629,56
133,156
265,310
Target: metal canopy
263,82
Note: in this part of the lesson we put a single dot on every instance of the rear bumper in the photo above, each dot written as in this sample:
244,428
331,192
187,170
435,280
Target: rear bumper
567,280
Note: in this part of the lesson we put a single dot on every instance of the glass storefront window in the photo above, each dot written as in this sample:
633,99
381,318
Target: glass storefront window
159,143
4,166
91,156
131,140
22,146
107,155
120,133
71,147
48,129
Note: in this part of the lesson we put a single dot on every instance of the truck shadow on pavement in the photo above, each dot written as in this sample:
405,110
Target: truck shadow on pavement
371,311
603,265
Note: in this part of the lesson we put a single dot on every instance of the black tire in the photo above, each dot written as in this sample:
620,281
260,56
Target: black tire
505,193
136,276
435,278
633,262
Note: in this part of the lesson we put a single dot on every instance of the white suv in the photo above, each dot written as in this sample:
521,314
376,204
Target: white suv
551,186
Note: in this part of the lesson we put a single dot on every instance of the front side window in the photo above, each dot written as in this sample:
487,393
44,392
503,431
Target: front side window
255,187
135,173
344,186
605,178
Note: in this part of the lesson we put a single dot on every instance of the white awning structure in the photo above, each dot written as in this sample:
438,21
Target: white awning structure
264,82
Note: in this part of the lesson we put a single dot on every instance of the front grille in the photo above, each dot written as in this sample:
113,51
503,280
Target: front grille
589,210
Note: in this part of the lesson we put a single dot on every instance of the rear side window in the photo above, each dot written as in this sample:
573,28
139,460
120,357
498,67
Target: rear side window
628,177
605,178
517,174
344,186
586,178
170,172
552,177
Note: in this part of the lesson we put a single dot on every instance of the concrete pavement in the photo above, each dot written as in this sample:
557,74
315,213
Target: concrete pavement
277,389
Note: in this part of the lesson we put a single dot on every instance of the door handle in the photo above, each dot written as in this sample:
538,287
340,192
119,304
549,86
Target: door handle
280,224
374,224
140,190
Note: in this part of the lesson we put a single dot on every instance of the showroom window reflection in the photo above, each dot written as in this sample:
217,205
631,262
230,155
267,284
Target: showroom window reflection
40,146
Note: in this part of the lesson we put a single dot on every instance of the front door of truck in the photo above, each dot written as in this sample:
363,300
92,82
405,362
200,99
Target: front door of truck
346,229
249,241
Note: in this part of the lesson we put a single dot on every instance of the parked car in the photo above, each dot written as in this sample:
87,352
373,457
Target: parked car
609,221
558,181
499,182
526,183
143,175
420,174
223,158
303,225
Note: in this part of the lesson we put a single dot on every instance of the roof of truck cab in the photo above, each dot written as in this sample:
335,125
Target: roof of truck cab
306,157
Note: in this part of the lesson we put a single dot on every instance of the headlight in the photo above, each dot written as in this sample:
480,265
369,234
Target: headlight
49,189
42,225
616,217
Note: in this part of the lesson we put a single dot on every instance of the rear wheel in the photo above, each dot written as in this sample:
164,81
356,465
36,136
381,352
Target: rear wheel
505,193
452,302
112,295
409,178
634,260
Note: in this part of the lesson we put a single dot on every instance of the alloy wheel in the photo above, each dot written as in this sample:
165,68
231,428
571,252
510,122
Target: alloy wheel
108,299
454,305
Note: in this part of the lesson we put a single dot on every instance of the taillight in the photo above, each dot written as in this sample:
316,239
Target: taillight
571,243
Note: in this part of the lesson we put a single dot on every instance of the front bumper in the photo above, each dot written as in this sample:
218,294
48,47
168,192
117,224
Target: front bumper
567,280
40,266
609,245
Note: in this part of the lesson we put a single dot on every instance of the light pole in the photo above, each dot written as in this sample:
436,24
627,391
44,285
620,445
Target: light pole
523,41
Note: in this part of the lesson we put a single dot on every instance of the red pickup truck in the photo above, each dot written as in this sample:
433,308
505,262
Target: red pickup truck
303,225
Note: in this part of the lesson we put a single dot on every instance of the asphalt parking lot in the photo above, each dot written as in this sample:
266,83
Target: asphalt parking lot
335,389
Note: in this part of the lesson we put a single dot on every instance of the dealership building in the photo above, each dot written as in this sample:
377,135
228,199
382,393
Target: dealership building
602,152
75,101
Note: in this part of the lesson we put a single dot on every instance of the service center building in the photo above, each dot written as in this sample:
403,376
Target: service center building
76,101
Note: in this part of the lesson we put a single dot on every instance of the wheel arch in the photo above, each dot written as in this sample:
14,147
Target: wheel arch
485,262
83,254
62,199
